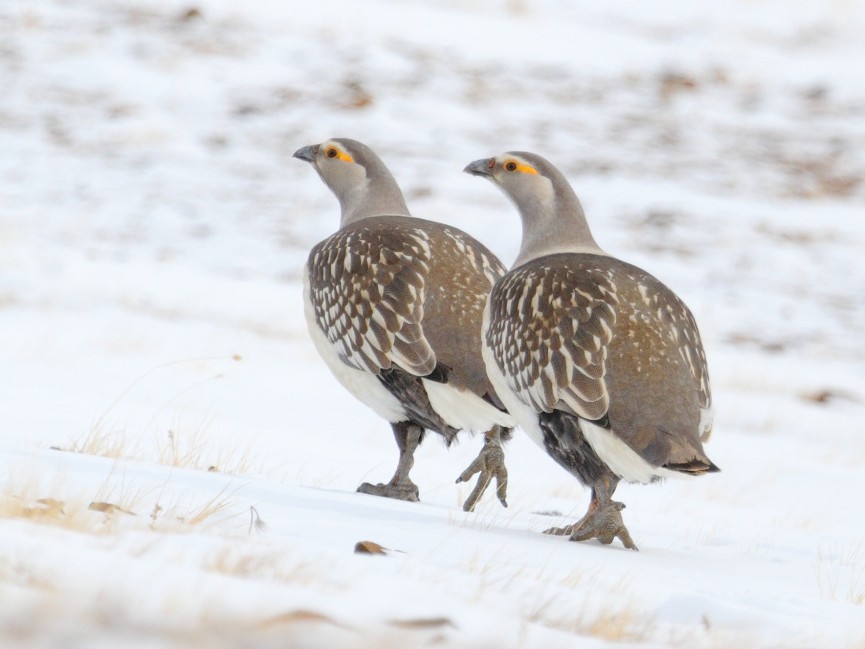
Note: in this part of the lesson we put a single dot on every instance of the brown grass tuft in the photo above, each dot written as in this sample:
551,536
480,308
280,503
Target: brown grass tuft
102,442
28,502
100,513
272,566
174,448
194,451
613,623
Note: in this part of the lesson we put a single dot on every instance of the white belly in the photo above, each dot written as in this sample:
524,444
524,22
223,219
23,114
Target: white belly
524,415
363,385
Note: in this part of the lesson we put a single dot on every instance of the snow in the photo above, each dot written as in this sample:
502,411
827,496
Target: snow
153,228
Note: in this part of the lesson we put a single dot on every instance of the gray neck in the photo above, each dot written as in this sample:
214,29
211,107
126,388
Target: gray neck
553,224
377,195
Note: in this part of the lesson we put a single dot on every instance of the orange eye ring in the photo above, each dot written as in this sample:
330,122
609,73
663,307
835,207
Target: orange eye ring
511,165
331,152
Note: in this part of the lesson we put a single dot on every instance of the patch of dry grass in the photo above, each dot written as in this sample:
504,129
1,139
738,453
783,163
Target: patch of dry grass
616,621
180,515
605,612
50,619
485,519
232,561
101,512
199,514
29,501
627,624
194,451
840,573
101,441
180,447
594,609
174,448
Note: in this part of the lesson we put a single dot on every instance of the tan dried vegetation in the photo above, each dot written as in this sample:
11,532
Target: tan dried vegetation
101,513
175,447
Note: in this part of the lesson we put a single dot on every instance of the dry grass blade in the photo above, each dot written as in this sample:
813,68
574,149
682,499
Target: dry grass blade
255,521
99,422
101,442
108,508
264,566
196,451
190,451
194,516
606,615
839,565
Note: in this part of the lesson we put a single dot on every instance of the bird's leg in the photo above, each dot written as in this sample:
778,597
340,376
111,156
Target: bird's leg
603,521
408,436
490,463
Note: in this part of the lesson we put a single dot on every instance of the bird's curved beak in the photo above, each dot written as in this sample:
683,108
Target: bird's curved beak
306,153
482,167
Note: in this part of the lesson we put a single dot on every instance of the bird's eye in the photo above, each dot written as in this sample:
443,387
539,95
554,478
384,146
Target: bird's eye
331,152
511,165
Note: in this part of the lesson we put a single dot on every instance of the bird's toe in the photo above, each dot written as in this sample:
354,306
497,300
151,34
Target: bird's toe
401,491
606,525
490,464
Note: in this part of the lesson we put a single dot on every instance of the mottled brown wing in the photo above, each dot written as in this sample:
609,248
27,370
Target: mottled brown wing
683,332
477,255
549,328
367,290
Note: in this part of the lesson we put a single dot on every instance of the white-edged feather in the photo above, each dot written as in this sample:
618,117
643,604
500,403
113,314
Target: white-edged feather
362,384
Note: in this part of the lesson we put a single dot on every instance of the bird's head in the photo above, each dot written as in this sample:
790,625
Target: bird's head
357,176
526,178
553,219
340,162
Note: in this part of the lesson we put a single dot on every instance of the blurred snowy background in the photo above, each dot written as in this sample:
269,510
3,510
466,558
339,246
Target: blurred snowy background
178,465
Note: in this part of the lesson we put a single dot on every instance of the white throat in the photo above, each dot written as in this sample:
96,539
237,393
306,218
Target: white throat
549,229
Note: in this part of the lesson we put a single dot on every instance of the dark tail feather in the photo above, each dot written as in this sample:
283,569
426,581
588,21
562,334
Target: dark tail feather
693,467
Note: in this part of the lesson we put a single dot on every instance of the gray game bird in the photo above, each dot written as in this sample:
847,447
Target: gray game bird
394,306
598,361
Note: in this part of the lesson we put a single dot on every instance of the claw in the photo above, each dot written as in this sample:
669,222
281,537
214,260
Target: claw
603,520
561,531
401,491
490,463
606,525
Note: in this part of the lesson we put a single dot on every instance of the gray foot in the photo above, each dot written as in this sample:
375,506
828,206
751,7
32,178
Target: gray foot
402,491
400,487
562,531
603,523
490,463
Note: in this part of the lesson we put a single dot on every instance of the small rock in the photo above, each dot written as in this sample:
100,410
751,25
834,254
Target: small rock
190,14
369,547
424,623
828,395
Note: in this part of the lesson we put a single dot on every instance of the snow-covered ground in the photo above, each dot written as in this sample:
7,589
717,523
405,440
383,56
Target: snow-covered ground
179,466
